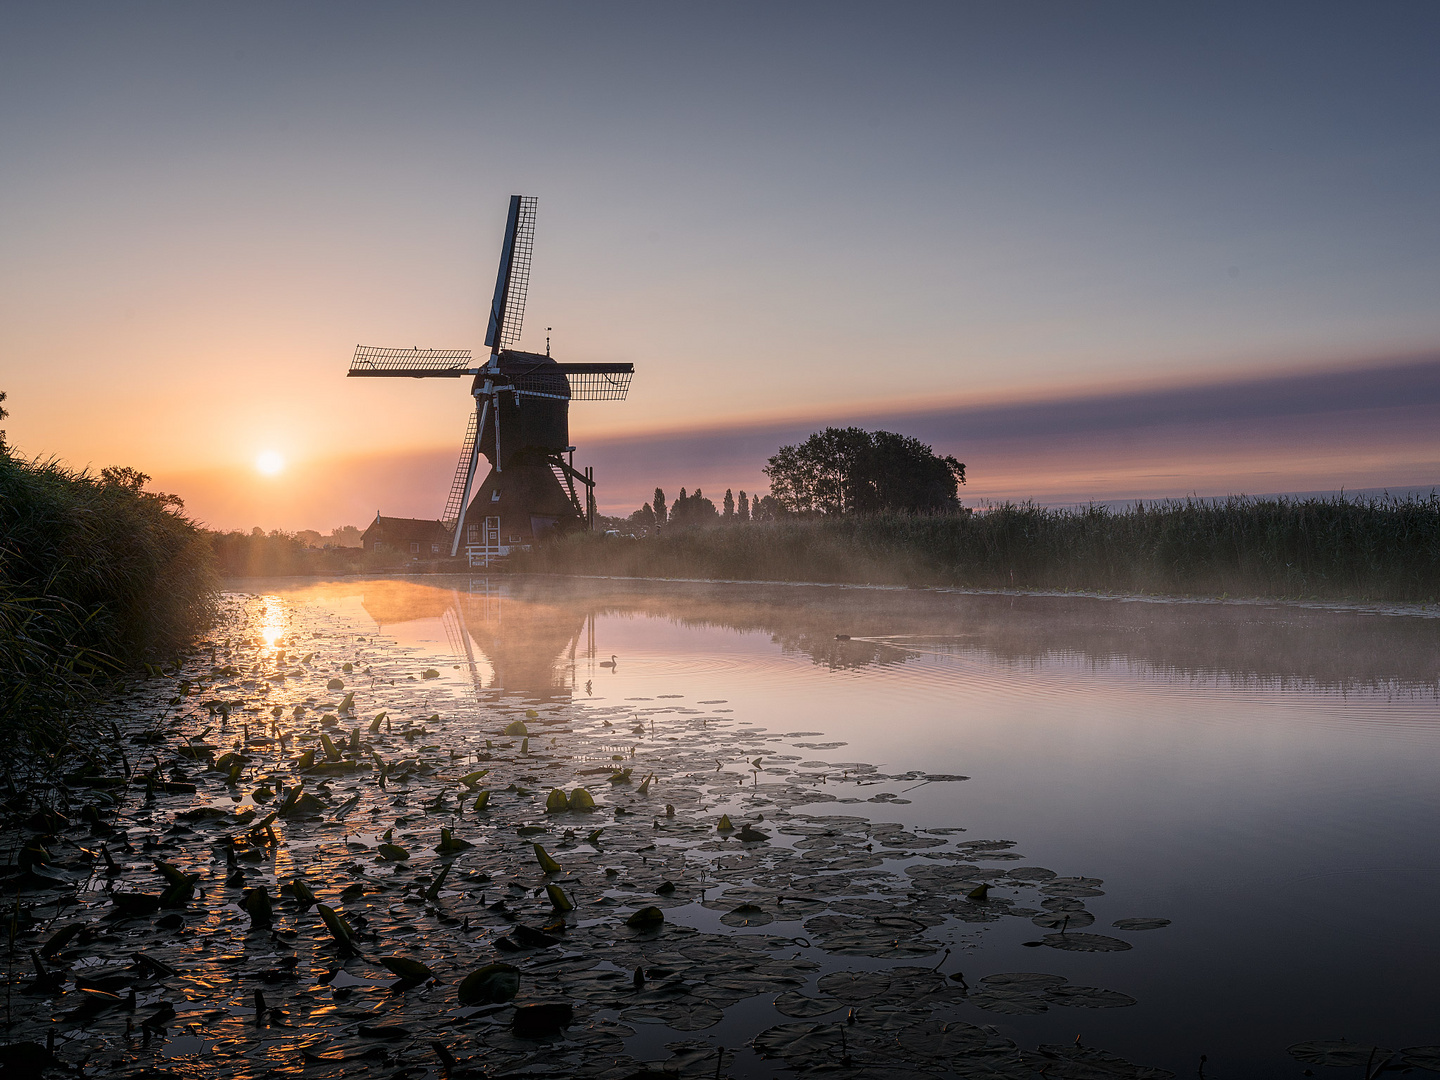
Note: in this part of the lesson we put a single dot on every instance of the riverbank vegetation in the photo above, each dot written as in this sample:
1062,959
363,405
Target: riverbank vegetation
1365,548
97,575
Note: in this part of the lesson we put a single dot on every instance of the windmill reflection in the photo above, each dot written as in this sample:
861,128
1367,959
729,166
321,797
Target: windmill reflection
519,646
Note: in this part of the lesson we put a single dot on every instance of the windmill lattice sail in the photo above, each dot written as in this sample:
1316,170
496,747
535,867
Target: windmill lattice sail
507,310
411,363
455,503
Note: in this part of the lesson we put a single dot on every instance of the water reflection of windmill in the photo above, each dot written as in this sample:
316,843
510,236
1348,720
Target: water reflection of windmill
529,645
521,421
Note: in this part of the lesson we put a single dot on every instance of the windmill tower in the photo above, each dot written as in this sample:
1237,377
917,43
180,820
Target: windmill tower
521,422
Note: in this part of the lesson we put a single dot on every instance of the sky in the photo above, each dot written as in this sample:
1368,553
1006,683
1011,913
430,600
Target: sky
1101,250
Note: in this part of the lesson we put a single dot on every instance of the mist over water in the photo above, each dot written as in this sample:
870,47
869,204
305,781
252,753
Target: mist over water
1260,774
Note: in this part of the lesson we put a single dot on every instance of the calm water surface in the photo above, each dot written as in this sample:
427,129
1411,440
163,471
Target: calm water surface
1262,775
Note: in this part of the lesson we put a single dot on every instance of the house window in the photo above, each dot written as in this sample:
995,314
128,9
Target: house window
434,549
377,545
414,547
495,496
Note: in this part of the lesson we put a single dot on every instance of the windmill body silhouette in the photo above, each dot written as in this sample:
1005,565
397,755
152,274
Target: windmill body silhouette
521,420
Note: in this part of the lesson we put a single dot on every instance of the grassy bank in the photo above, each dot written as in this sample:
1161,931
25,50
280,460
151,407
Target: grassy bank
1376,549
96,575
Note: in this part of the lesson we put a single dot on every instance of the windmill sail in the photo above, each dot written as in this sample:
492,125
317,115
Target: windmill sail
507,310
411,363
455,504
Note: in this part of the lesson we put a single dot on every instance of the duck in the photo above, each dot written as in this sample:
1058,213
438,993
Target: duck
609,663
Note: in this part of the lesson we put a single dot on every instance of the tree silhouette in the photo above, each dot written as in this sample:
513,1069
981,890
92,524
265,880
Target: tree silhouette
658,508
729,505
743,511
853,471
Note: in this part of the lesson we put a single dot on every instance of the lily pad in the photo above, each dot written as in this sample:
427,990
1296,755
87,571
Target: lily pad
1338,1052
491,984
801,1006
1139,924
410,970
1086,943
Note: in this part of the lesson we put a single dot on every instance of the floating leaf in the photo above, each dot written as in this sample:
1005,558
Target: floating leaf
547,864
335,684
482,800
1338,1052
517,727
1139,924
1086,943
581,800
538,1021
647,918
802,1006
1009,1002
471,779
855,987
449,843
430,673
393,853
1068,920
407,969
1090,997
556,802
724,824
491,985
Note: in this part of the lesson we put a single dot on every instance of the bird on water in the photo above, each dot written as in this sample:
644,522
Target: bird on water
608,663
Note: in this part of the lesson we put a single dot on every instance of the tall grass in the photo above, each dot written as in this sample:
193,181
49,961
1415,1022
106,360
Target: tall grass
1369,548
94,578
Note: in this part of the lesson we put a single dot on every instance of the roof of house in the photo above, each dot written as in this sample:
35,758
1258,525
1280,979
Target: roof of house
395,530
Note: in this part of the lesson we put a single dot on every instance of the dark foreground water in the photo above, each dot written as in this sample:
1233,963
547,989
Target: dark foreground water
1147,833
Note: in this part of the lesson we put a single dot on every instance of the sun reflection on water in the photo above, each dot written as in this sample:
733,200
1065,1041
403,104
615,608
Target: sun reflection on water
272,622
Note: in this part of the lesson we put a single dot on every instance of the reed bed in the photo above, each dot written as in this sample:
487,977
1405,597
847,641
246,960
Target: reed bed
1383,549
95,578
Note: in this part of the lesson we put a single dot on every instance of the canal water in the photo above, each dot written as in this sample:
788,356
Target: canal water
1264,776
532,827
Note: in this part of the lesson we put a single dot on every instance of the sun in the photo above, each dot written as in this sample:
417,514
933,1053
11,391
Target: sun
270,463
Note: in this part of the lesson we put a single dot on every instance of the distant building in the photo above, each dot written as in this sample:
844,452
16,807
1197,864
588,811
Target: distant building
416,537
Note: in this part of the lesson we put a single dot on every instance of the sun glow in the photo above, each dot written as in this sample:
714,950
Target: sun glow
270,463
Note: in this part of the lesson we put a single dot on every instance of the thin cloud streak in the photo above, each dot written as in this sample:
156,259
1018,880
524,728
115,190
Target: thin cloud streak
1364,426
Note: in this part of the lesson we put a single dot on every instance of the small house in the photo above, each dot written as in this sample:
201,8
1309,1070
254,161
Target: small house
416,537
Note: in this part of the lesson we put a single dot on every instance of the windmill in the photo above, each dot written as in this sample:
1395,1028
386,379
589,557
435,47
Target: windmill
521,421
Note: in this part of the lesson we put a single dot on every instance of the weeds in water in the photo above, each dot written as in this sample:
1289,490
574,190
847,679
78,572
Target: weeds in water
96,575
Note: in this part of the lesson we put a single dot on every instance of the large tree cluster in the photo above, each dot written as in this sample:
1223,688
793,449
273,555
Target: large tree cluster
854,471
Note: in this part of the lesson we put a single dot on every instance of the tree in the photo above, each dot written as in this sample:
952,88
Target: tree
729,505
133,480
854,471
693,509
743,512
658,508
3,415
643,520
